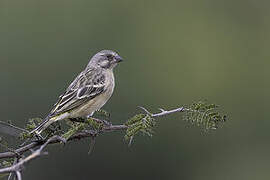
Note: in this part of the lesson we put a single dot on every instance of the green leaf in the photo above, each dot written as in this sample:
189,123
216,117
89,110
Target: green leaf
204,115
73,130
140,123
102,112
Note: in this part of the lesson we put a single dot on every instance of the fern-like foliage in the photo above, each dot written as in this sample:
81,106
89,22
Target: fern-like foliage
75,127
88,123
102,113
8,161
31,124
204,115
201,114
143,123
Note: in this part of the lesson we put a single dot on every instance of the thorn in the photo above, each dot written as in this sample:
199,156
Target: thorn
145,110
162,110
10,176
104,122
18,175
92,144
107,123
130,141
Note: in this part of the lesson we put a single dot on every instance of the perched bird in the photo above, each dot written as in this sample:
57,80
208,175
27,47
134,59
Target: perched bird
90,90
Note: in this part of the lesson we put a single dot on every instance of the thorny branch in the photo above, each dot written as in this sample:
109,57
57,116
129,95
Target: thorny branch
17,167
163,112
36,148
84,134
79,135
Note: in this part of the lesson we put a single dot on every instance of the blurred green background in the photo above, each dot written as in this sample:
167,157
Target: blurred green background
176,52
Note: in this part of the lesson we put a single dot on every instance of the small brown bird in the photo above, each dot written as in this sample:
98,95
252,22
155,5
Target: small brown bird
90,90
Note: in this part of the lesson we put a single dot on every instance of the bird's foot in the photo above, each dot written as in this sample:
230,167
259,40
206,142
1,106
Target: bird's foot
38,137
106,123
77,119
90,115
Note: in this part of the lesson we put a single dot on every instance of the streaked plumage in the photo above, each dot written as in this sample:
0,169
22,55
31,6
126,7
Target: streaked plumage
88,92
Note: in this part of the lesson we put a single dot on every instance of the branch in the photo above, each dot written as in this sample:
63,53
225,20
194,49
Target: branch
79,135
201,113
83,134
17,167
163,112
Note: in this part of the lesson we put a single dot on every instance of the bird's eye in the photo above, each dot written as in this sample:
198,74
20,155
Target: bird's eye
109,56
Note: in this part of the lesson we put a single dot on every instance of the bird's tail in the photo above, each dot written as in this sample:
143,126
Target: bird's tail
42,126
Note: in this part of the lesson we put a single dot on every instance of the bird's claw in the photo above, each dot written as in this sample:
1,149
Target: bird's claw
39,137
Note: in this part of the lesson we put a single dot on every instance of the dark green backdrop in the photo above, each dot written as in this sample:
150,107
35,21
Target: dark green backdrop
176,52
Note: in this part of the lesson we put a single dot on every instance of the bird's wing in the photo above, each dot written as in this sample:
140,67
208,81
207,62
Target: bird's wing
87,85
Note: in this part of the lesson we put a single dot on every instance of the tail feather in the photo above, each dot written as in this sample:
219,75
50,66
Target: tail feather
48,121
42,126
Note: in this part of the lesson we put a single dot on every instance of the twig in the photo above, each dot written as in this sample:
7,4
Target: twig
78,135
39,152
163,112
85,134
92,144
19,175
42,144
11,175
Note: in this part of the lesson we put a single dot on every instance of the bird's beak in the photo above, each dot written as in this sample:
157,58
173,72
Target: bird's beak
118,58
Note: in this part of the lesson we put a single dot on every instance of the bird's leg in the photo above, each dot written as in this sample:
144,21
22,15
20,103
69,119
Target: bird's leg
54,128
39,137
77,119
90,115
103,112
106,123
35,137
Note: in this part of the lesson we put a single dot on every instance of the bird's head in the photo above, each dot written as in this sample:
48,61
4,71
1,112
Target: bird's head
106,59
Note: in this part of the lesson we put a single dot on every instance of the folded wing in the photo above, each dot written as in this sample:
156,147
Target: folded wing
85,87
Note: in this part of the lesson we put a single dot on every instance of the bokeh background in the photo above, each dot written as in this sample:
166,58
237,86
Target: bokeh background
176,52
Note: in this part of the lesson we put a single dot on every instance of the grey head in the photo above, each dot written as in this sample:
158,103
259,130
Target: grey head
106,59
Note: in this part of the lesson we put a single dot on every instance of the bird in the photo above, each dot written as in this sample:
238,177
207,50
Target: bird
88,92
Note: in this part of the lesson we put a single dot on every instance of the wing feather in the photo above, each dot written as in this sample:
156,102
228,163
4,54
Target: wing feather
85,87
